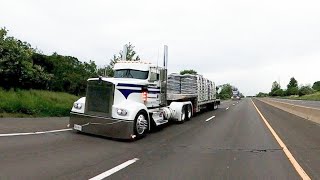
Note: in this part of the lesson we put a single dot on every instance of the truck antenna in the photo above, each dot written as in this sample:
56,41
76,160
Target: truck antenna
165,58
158,59
124,53
164,78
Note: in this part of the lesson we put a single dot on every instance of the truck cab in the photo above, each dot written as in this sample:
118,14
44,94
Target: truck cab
138,74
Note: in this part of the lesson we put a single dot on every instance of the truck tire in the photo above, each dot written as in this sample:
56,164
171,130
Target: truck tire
183,115
215,106
188,112
141,124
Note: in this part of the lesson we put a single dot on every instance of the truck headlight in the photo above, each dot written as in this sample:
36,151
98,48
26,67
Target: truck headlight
122,112
77,105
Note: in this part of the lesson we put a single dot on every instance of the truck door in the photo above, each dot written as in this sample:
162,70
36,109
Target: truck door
154,88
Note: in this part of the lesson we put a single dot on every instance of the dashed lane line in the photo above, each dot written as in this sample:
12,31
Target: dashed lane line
114,170
210,118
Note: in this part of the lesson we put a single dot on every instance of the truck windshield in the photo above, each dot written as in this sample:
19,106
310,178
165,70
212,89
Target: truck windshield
130,73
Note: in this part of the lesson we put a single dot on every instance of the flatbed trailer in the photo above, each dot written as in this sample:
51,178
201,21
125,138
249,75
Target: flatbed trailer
193,98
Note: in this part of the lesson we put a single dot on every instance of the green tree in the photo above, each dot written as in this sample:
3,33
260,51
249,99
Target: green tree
261,94
316,86
188,71
275,87
278,92
226,91
23,67
292,87
16,67
305,90
69,74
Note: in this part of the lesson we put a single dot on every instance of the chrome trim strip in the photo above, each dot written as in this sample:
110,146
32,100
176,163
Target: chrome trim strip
100,117
130,88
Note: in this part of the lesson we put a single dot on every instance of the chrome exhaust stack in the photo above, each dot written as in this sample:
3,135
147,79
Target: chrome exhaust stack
164,78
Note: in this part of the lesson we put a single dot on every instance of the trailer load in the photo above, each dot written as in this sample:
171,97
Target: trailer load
138,97
192,84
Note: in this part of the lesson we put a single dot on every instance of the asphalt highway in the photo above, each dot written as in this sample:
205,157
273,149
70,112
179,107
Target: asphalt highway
232,142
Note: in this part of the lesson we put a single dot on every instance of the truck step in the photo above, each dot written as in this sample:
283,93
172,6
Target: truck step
161,121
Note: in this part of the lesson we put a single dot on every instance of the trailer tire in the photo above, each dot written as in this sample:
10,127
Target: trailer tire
183,115
188,112
141,124
215,106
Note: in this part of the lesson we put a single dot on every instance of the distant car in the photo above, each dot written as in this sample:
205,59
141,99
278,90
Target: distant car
235,98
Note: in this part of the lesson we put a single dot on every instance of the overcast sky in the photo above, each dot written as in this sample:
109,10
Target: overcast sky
247,43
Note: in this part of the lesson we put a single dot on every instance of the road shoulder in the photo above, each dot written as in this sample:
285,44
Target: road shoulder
301,136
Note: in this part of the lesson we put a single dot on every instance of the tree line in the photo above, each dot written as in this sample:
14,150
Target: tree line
292,89
24,67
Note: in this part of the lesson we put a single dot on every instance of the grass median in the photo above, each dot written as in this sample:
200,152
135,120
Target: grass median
310,97
35,103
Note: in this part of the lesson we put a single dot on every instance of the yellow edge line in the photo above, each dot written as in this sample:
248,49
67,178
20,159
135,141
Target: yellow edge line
293,161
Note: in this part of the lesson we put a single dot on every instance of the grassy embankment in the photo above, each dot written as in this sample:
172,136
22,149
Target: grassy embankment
314,97
35,103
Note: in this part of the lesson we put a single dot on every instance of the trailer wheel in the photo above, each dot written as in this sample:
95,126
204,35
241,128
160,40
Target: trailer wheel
140,124
183,114
188,112
215,106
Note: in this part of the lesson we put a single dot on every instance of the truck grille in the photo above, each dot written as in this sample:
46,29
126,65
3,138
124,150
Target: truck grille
99,98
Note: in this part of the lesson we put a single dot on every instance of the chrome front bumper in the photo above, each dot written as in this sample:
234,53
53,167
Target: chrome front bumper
115,128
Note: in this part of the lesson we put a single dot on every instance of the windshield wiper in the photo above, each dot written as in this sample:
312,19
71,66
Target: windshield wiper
128,74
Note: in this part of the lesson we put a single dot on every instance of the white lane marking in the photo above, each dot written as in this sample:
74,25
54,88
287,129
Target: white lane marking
293,161
227,108
33,133
114,170
210,118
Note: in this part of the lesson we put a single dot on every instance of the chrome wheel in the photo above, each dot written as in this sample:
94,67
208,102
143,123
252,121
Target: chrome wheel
141,124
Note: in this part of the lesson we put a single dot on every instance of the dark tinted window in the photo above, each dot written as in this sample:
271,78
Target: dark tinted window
130,73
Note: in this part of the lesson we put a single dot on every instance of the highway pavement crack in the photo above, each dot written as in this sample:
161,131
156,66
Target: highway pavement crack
249,150
215,150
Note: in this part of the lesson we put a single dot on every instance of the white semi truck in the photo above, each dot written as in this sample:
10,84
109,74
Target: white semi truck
137,98
235,94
